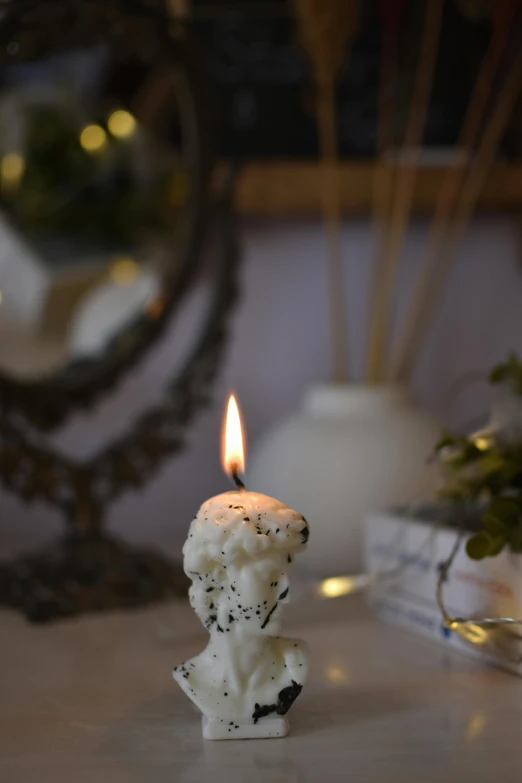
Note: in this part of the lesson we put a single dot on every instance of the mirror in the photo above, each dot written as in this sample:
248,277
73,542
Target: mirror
108,235
102,167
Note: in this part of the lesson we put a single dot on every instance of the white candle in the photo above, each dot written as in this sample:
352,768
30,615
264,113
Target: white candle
238,553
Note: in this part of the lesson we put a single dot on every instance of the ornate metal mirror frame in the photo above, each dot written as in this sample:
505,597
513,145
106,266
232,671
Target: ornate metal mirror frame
88,569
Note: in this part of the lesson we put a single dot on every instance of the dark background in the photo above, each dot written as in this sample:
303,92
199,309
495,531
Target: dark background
263,80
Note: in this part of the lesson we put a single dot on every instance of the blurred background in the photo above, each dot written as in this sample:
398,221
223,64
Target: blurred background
349,172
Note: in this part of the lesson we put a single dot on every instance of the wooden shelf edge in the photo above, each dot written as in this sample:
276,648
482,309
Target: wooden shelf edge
285,188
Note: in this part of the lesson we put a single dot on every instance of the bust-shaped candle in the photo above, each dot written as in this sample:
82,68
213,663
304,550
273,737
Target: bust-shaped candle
240,548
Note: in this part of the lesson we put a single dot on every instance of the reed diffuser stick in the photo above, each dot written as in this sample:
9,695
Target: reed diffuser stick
410,333
331,201
426,299
389,255
326,28
391,14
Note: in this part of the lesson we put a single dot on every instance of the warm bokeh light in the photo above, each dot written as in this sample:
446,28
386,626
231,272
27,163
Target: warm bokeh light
470,631
336,586
155,306
481,443
124,270
232,440
93,138
337,674
476,726
121,124
12,168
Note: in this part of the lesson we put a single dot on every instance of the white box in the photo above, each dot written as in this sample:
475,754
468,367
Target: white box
486,588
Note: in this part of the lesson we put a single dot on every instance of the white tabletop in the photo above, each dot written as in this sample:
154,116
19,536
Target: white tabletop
93,700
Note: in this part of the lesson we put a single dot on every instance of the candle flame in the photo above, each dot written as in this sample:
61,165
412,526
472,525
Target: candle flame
233,452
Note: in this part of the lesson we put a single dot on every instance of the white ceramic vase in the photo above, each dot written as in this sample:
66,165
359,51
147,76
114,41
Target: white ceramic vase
347,451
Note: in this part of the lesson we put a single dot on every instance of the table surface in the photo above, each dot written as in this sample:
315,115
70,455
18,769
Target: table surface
93,700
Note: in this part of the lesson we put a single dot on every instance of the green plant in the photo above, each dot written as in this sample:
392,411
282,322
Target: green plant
509,372
483,468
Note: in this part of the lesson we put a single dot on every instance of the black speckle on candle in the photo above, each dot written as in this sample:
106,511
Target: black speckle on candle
283,594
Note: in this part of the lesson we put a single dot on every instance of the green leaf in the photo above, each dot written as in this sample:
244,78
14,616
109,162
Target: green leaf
506,509
510,371
496,544
515,538
477,546
493,525
447,439
497,374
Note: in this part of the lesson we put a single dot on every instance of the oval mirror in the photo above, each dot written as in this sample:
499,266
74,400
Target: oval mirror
107,236
102,175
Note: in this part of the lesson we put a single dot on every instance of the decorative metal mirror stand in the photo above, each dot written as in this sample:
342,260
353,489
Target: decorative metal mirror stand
88,569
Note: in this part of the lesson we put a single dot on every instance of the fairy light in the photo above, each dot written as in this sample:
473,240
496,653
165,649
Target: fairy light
155,306
336,586
124,270
12,167
337,675
121,124
93,138
469,631
476,726
498,634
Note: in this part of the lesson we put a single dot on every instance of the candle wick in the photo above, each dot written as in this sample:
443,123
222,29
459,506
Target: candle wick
239,484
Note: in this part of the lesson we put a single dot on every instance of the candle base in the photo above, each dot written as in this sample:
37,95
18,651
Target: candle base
220,729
